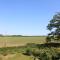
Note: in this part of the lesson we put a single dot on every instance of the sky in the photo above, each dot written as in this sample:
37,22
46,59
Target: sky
27,17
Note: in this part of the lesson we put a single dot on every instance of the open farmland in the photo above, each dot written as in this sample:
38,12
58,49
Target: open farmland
20,41
12,48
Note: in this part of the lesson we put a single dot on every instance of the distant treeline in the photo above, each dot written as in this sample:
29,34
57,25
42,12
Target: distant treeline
1,35
10,35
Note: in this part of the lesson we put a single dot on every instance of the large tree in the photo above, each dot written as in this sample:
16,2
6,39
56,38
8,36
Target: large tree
54,27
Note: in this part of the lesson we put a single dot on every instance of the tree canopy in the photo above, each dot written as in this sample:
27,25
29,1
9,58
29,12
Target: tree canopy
54,27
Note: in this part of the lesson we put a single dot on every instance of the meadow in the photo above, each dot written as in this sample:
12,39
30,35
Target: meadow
19,41
12,48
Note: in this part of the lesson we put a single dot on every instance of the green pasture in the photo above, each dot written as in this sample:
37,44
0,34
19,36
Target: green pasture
14,46
19,41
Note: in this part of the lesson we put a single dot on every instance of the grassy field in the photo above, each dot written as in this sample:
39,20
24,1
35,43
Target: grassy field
15,57
20,41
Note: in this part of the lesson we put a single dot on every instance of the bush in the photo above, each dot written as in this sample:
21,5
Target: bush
27,52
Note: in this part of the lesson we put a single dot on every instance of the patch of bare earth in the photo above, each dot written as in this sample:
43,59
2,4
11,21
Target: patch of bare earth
7,56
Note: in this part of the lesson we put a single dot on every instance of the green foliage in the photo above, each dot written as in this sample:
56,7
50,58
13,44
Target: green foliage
28,52
54,26
43,56
45,53
56,57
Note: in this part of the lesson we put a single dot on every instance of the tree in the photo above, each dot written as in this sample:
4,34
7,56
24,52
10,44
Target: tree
54,27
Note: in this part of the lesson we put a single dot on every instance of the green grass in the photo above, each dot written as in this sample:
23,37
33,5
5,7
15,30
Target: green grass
9,44
15,57
20,57
19,41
